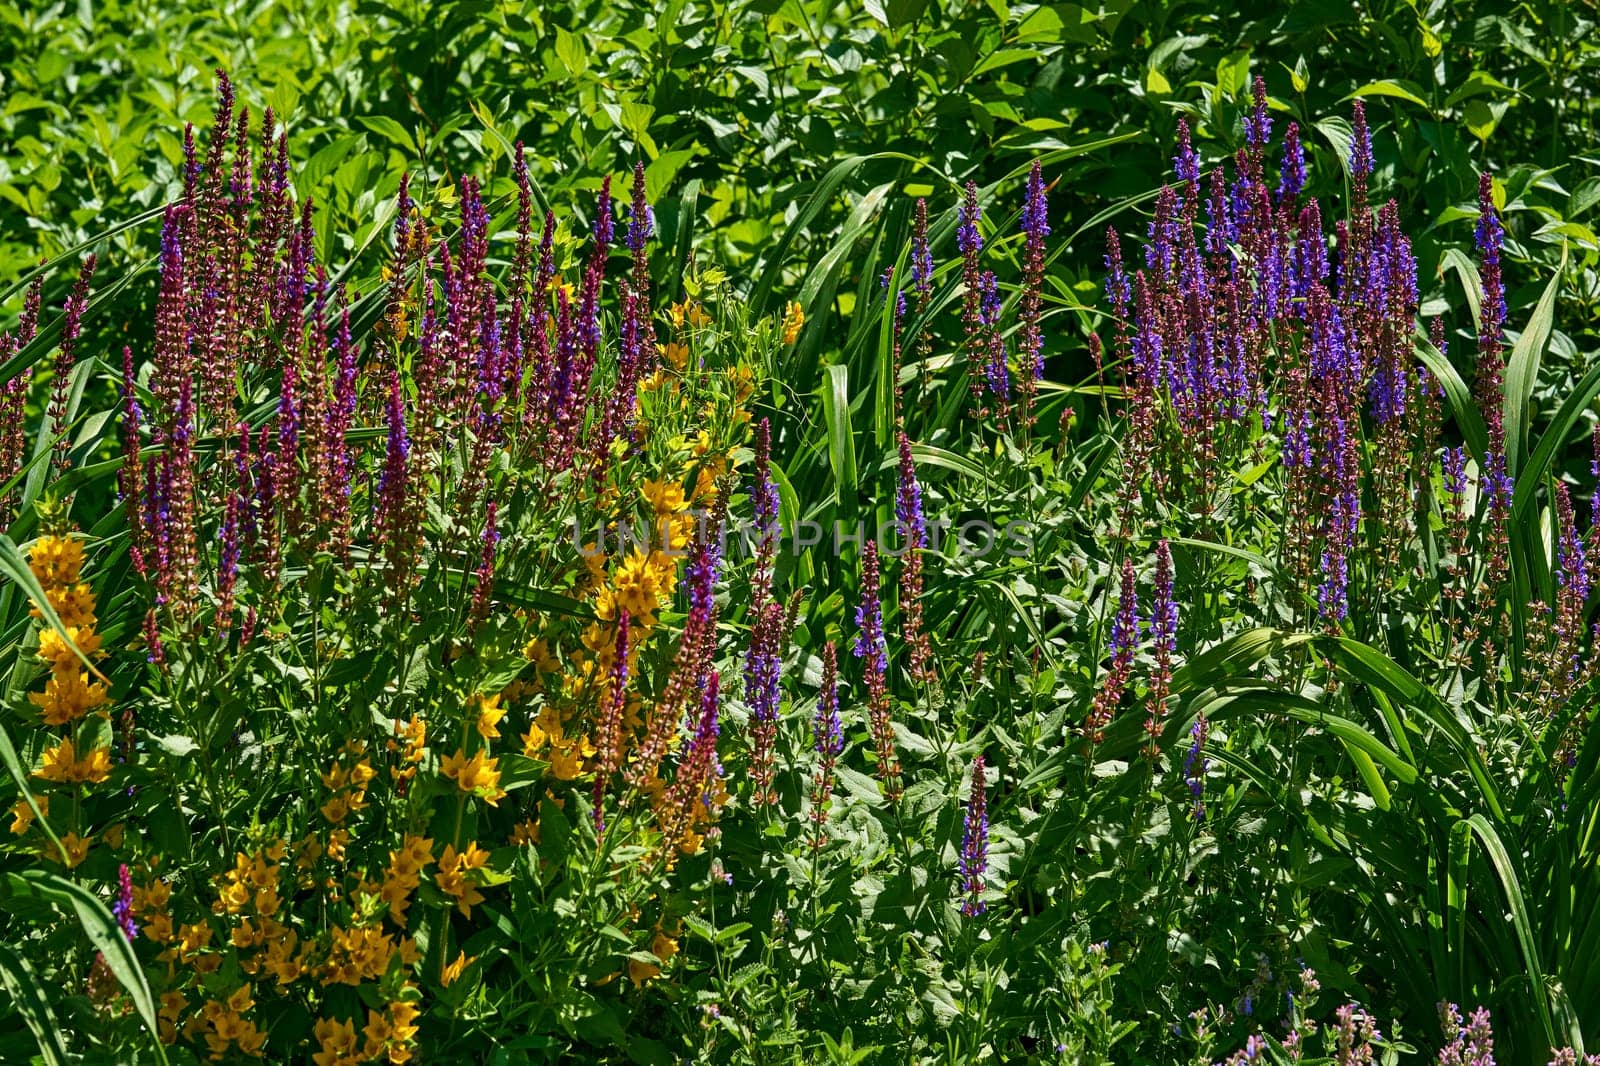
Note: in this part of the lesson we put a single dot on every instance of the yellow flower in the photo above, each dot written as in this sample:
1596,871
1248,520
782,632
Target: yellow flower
416,851
566,761
59,654
402,1022
22,814
664,497
77,849
676,353
74,605
452,879
452,971
61,764
357,955
794,317
638,584
396,892
743,380
336,809
525,832
56,561
158,927
67,697
689,312
336,844
307,852
478,775
148,900
338,1043
280,960
172,1006
378,1031
489,714
410,738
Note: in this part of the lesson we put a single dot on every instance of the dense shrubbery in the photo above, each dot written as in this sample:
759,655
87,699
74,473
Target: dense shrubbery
465,618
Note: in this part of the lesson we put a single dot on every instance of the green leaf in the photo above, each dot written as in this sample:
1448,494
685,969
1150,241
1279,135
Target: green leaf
1522,369
1467,273
1480,119
1003,57
1583,197
1233,657
841,436
1399,90
1462,406
1233,74
1511,886
388,128
104,933
571,52
1368,666
1571,415
24,986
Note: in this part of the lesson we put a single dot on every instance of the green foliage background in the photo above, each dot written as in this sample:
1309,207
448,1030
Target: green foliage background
785,142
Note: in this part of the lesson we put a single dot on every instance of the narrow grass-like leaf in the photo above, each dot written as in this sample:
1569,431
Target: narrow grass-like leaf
1369,666
1522,369
1232,657
24,987
106,936
841,435
1465,409
1506,871
19,775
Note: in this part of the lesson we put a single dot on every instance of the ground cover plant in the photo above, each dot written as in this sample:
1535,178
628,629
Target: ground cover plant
1064,594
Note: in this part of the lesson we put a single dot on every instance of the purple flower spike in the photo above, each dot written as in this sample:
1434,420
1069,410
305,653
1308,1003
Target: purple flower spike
975,843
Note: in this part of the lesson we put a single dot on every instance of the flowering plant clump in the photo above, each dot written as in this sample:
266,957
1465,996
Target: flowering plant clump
378,685
525,642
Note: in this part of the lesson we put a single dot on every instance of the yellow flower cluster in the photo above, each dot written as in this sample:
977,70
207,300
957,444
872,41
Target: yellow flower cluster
456,877
478,774
363,954
22,814
662,947
547,739
252,884
348,785
489,712
64,764
391,1033
226,1027
403,874
794,317
69,694
410,743
337,1043
688,313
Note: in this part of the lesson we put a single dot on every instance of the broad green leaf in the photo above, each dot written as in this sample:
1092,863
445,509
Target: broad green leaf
388,128
1399,90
